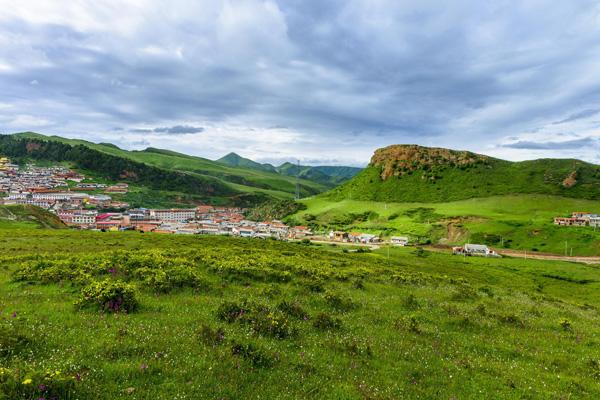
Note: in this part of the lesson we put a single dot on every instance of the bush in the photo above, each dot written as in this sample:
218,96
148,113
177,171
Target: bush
211,337
293,309
566,325
326,322
339,302
411,302
109,296
253,354
408,323
261,319
230,311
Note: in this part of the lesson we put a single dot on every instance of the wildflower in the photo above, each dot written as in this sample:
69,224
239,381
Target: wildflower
27,381
144,366
14,314
42,387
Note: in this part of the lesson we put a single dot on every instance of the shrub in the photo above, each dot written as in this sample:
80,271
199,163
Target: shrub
339,302
261,319
109,296
411,302
253,354
358,284
408,323
230,311
271,323
324,321
565,324
293,309
211,337
314,285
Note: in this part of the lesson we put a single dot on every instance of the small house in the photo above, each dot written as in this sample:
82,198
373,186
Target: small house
399,241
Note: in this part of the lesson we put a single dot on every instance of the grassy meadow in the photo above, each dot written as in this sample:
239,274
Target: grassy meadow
520,222
139,316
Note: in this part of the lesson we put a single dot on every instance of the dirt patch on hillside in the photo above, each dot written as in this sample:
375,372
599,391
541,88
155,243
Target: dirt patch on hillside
455,230
570,180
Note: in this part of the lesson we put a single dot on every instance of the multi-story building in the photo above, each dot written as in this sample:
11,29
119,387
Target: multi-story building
173,215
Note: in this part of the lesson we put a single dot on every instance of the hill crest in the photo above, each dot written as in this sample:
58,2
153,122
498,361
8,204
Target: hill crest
400,159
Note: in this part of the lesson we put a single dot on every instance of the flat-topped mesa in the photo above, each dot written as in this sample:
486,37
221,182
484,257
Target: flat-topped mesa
397,160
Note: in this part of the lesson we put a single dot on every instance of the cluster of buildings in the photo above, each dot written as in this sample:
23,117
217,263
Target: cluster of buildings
579,218
205,220
48,188
365,238
14,180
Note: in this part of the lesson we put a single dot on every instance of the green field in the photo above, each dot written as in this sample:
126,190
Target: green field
230,318
521,222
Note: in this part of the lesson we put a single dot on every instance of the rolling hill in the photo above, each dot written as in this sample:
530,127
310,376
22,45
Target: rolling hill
210,181
329,176
410,173
452,197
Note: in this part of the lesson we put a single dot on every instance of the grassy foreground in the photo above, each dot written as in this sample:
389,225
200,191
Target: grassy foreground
522,222
232,318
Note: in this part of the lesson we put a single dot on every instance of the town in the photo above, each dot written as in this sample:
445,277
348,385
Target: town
64,193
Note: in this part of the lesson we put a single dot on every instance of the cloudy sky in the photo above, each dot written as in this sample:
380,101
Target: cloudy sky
323,81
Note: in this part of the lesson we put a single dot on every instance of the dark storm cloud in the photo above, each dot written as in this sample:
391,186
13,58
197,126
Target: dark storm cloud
424,72
566,145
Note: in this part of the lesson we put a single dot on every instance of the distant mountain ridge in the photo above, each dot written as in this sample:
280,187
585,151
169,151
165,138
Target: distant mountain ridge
326,175
412,173
173,174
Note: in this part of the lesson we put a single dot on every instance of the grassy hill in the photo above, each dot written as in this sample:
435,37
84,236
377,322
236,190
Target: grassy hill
232,318
235,160
24,216
453,197
407,173
221,183
329,176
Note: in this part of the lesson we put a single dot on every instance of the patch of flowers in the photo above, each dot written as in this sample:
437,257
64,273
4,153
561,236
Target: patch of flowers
16,383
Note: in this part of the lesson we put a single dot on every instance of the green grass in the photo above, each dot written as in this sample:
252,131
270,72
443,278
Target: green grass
522,222
319,323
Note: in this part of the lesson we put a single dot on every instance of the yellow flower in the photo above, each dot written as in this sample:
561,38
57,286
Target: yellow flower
27,381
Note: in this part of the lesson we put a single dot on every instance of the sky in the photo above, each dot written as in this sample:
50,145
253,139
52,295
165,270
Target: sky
325,82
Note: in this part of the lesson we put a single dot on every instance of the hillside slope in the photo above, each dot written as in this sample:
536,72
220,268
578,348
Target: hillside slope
410,173
236,181
24,216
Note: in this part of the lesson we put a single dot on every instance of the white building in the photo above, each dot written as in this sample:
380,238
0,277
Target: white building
399,240
173,215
